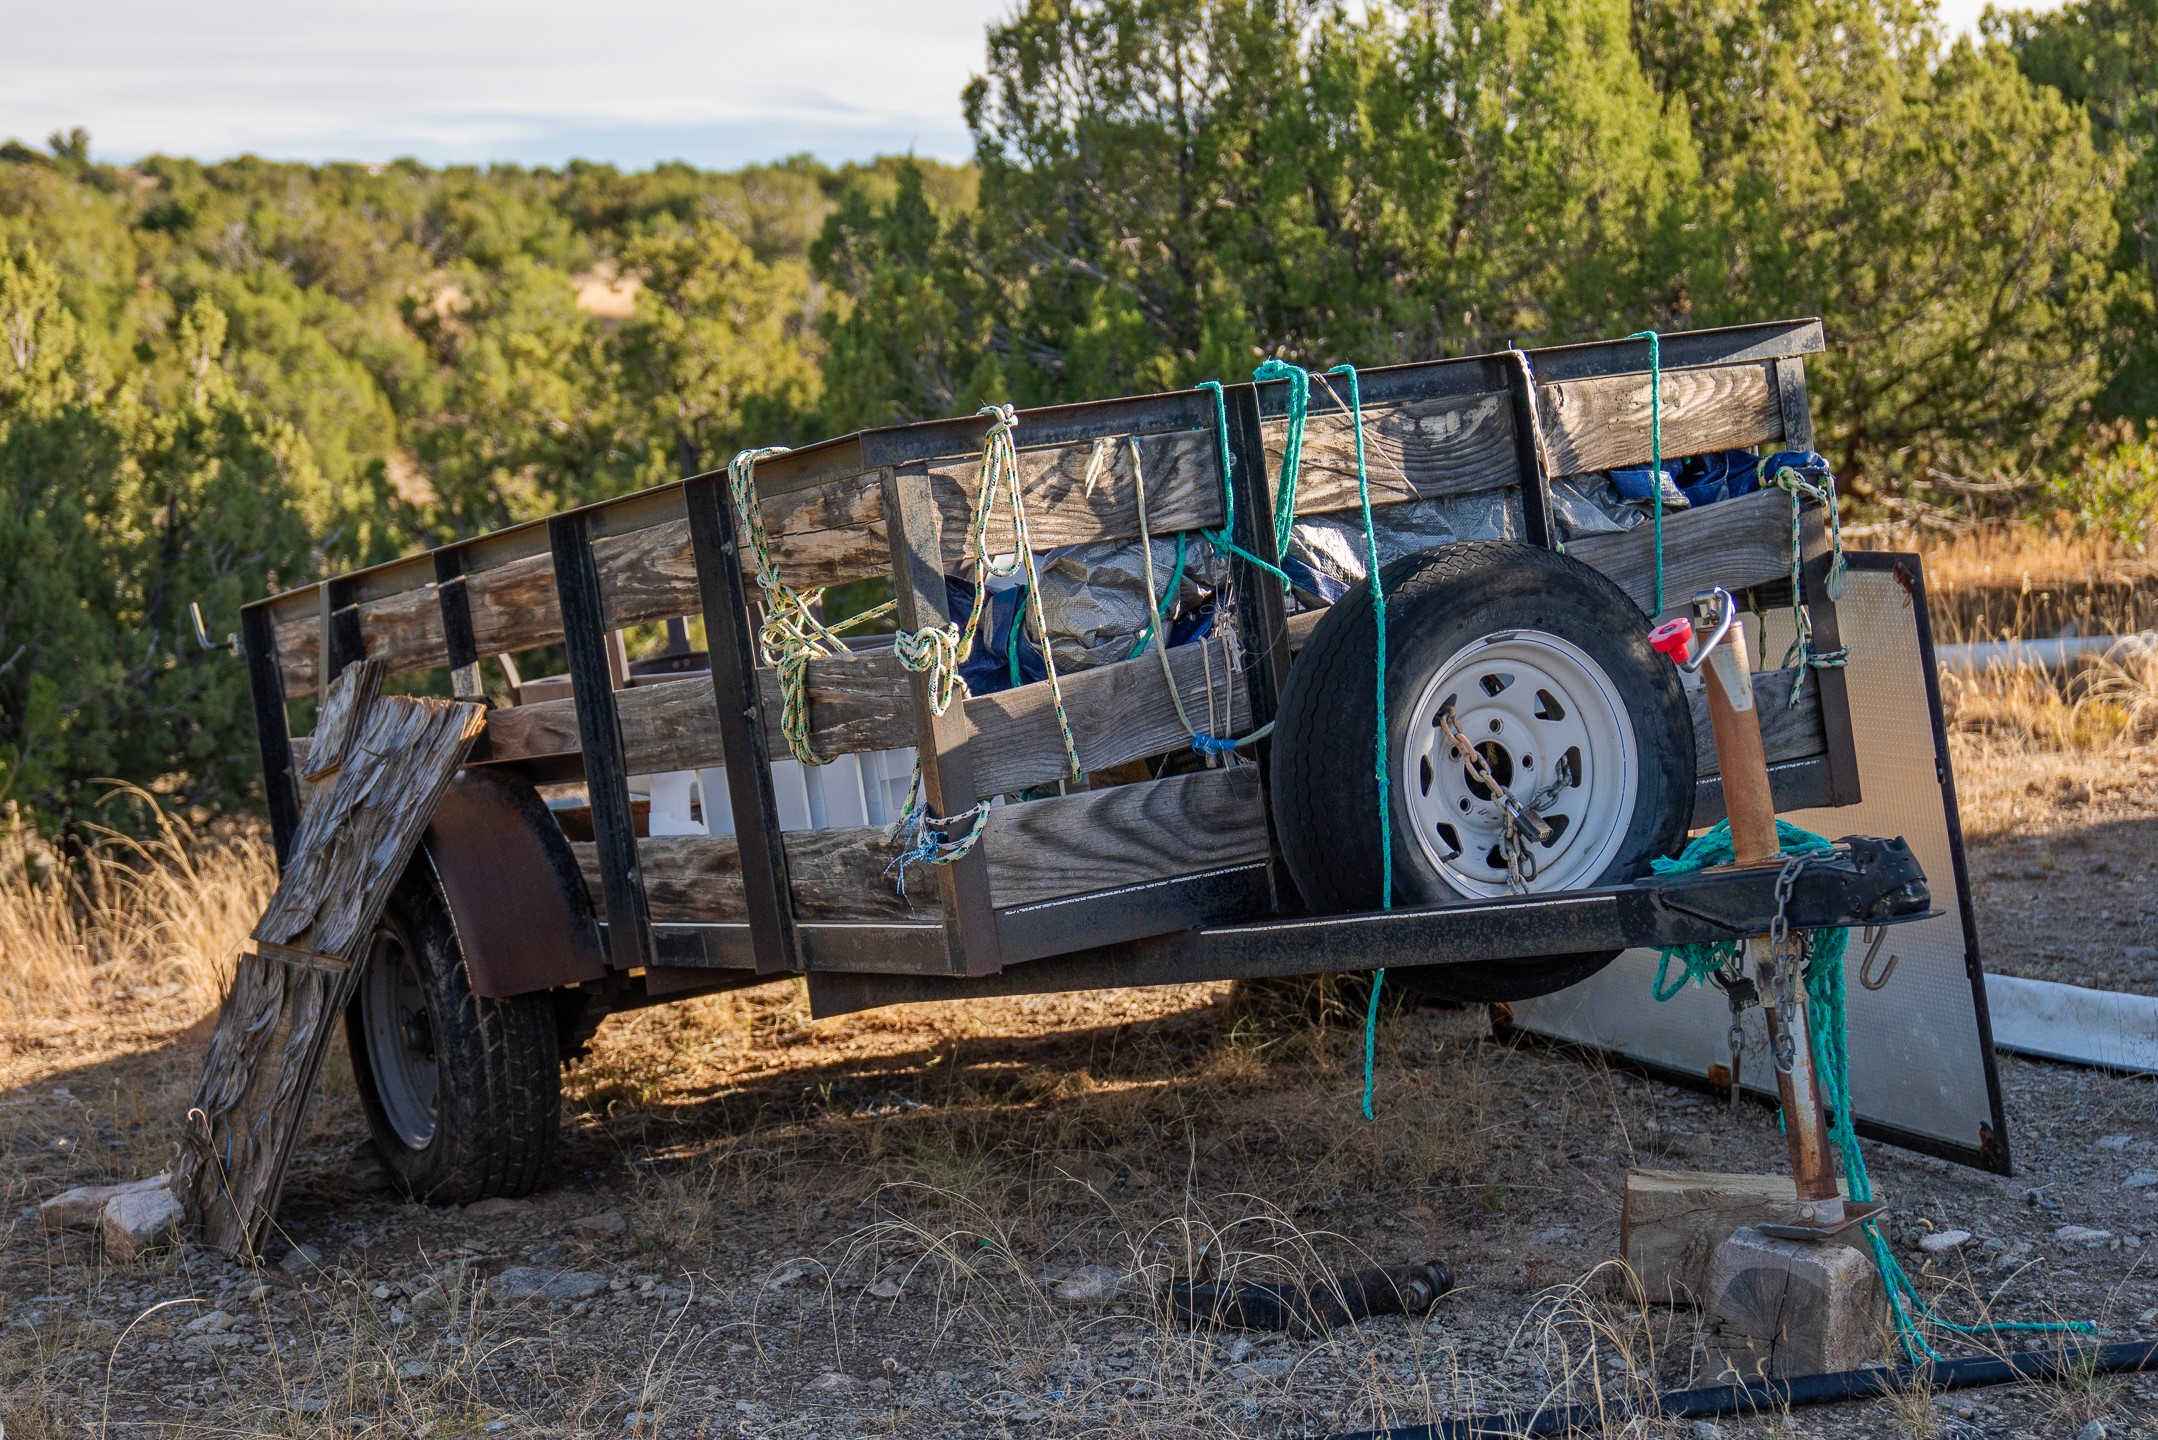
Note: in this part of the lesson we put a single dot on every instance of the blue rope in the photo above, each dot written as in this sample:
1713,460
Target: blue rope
1655,445
1832,1063
1379,767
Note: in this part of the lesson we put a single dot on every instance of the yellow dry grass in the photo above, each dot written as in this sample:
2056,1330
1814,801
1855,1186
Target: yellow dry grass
152,918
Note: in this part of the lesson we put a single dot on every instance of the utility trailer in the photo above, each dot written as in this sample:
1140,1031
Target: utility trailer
638,831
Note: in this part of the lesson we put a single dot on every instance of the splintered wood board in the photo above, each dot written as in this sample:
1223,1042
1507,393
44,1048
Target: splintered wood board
355,837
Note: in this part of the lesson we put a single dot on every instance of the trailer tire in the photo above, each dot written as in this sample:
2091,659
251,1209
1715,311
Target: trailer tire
1594,692
463,1094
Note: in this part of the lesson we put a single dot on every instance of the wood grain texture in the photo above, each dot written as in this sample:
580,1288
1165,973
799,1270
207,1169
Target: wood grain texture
1734,543
1100,839
856,702
825,535
1788,732
1119,713
339,718
1603,423
355,837
1080,493
1413,450
1041,850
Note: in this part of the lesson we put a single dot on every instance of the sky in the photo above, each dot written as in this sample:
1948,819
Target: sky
719,83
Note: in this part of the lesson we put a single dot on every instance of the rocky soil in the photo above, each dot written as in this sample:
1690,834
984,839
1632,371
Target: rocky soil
957,1220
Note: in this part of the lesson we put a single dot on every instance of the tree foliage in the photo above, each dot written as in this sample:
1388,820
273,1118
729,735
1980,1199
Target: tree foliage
220,378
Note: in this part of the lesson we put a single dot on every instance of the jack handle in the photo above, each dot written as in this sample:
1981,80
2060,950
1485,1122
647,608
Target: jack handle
202,634
1675,636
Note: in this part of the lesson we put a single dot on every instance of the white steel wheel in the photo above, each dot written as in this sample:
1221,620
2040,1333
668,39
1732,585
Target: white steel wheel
1548,725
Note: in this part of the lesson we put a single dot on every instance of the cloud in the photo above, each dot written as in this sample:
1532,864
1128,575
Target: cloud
538,81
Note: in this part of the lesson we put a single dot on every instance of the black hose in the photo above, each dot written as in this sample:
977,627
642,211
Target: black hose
1836,1385
1309,1310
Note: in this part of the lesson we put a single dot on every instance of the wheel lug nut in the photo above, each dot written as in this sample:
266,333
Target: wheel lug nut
1494,727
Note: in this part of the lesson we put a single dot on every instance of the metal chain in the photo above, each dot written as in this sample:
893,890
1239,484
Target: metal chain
1519,818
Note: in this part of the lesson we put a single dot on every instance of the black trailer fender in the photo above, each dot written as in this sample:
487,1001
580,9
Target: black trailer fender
522,914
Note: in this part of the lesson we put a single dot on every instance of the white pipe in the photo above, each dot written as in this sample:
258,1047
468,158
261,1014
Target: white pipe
2058,654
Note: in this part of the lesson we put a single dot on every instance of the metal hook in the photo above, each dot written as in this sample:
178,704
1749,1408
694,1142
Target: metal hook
1874,935
202,634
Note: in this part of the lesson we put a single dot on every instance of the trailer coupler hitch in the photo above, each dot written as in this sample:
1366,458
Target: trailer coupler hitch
1865,880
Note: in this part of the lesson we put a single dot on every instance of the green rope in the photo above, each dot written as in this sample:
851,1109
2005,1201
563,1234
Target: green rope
1655,447
1380,770
1292,448
792,634
1224,540
1832,1064
1168,599
1011,641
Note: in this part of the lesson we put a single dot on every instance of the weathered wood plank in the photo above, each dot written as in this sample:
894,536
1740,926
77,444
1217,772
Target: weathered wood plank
355,837
1100,839
338,719
1603,423
1733,543
1042,850
1414,450
1081,493
1788,732
823,536
856,702
1118,713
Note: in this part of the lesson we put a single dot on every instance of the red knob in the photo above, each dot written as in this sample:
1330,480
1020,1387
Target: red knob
1673,638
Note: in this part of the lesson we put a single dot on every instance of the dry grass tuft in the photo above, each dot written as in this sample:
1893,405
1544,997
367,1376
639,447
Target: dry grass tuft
156,918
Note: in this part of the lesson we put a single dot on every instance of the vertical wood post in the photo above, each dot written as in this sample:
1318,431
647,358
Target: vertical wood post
1529,457
1262,613
1835,689
915,531
273,731
458,645
739,700
606,772
342,643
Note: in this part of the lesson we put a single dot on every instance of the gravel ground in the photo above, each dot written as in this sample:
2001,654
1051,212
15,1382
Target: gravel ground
953,1221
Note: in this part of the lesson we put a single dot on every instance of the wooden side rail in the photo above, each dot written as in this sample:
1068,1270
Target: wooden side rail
1040,850
1077,492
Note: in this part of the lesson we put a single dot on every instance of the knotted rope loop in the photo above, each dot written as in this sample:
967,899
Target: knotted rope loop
936,651
793,634
930,839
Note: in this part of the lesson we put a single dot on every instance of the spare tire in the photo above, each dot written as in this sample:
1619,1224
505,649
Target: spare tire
1544,667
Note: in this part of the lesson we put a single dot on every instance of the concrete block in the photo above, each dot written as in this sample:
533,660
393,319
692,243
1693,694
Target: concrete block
1673,1221
1794,1307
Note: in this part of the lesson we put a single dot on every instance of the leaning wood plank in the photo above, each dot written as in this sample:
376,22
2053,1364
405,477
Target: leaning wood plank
1602,423
353,843
1118,713
856,702
1042,850
1733,543
340,716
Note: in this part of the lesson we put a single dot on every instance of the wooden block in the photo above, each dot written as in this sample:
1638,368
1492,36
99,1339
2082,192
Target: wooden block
1793,1307
1673,1220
